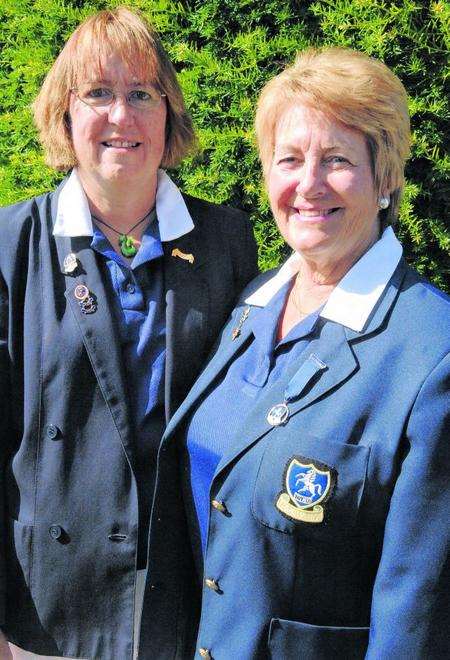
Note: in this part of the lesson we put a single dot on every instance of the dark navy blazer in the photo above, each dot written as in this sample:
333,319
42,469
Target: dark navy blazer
69,499
368,581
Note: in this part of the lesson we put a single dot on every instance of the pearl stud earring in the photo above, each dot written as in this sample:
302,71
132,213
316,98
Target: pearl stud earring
383,203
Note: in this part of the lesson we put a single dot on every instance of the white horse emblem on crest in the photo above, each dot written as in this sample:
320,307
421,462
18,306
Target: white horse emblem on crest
308,479
307,484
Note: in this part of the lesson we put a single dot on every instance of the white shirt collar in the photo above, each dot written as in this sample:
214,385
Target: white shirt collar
73,217
356,295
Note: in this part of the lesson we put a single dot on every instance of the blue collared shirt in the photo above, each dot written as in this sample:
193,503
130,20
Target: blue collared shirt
140,314
221,413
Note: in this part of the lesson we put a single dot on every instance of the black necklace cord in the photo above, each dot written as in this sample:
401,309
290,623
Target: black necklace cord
120,233
127,243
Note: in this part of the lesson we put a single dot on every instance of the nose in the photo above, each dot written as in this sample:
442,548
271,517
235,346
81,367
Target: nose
311,180
120,112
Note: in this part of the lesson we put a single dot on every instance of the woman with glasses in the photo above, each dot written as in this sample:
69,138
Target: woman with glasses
112,289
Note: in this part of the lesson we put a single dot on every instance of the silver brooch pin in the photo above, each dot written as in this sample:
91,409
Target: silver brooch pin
70,264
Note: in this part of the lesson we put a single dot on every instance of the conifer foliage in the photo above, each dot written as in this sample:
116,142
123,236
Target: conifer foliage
224,51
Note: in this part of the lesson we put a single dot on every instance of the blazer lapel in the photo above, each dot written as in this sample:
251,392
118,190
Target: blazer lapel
329,360
97,329
186,315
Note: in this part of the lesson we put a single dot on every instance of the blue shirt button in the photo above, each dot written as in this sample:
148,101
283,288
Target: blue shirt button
130,288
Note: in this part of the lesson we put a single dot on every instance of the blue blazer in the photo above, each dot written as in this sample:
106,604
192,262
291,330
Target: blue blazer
68,498
368,580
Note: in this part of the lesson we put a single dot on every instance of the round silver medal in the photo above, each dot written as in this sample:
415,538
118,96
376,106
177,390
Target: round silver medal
278,414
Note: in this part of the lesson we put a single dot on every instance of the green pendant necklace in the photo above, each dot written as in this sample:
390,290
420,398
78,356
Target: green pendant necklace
127,243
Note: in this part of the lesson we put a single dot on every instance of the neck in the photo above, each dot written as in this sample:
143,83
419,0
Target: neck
317,278
118,206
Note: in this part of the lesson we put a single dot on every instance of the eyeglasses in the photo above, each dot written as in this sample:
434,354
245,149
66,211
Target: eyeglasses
98,96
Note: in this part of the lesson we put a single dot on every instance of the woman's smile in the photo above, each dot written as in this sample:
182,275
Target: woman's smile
123,145
316,215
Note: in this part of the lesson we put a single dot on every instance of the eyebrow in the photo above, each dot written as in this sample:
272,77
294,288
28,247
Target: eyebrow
104,81
288,146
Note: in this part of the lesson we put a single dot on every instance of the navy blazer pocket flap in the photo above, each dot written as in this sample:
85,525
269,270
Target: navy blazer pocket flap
292,639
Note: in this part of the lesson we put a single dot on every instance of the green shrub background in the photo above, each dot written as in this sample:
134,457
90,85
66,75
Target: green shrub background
224,51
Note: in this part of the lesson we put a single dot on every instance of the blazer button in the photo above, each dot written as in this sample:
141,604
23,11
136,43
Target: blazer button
220,506
55,532
212,584
205,653
117,537
52,432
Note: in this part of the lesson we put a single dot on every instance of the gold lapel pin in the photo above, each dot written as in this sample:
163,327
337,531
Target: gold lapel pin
237,330
187,257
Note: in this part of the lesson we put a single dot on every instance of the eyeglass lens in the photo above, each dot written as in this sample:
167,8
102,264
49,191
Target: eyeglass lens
144,97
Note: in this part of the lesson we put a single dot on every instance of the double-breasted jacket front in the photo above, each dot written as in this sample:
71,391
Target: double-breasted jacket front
69,497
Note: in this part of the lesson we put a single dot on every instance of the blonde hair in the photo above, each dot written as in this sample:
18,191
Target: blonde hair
360,92
127,34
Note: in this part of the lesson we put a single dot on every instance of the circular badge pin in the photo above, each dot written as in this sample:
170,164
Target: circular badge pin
81,292
278,414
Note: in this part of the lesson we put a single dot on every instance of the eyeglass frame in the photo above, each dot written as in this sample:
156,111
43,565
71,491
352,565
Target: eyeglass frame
115,96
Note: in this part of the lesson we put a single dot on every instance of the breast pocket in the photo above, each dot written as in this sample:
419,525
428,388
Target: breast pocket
309,485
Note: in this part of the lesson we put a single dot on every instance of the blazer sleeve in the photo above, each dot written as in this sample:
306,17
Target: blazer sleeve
410,609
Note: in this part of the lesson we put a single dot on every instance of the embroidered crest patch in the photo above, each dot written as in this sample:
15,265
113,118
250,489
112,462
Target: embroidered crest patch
308,485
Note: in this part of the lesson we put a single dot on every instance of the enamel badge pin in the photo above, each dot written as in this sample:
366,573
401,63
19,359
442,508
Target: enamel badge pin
308,484
86,299
182,255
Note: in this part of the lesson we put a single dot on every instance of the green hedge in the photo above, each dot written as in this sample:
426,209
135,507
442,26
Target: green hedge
224,51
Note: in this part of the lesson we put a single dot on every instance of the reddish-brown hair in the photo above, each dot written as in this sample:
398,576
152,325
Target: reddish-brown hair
127,34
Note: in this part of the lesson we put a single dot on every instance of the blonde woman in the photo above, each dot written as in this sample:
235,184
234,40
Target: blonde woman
314,446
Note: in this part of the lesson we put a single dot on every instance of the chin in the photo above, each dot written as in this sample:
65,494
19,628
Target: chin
310,242
118,172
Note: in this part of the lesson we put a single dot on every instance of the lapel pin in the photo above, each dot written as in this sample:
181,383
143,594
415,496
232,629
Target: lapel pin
187,257
70,264
88,306
86,299
81,292
237,330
